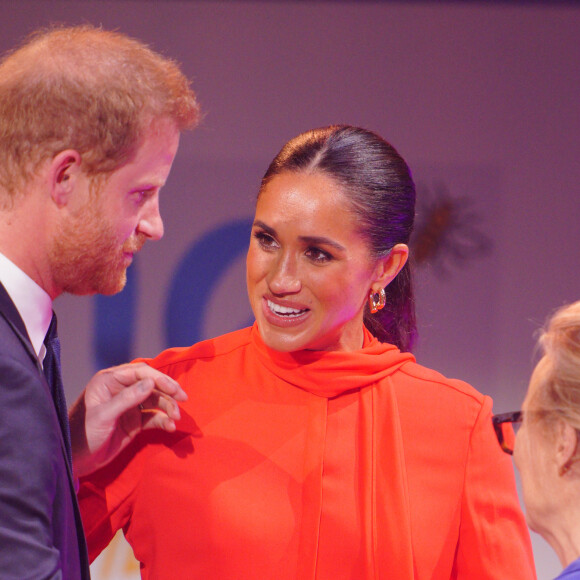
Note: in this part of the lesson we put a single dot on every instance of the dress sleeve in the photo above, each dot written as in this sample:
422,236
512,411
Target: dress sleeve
100,521
104,510
106,496
494,541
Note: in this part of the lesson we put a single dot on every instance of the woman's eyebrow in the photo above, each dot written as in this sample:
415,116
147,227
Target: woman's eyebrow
322,241
311,240
263,226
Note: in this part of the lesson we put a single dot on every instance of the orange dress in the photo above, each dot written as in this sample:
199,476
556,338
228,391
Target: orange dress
313,465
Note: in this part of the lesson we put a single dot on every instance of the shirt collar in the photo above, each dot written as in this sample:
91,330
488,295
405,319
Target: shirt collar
33,303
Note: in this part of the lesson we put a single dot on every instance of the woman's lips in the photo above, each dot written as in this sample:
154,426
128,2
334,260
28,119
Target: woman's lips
283,315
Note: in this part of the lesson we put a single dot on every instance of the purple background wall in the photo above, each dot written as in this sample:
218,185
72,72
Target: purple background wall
481,98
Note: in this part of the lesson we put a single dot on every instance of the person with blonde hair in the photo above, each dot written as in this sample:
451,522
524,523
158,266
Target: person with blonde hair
545,449
90,122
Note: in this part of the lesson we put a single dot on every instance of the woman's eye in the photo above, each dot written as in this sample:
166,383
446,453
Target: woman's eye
317,255
265,240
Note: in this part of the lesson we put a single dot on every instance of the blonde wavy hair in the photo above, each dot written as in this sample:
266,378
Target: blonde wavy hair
557,374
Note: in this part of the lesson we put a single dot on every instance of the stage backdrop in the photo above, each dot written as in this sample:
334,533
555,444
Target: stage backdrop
480,98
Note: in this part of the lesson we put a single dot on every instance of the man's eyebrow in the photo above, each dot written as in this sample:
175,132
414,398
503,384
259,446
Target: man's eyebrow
147,186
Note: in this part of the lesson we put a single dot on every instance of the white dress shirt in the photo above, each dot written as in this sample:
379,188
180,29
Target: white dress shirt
33,303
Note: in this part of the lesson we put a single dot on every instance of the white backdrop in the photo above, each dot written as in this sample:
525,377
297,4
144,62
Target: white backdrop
480,98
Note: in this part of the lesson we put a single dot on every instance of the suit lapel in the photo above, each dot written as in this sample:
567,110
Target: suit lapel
10,313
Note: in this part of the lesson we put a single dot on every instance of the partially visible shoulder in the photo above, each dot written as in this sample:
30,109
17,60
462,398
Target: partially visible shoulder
433,406
429,382
213,348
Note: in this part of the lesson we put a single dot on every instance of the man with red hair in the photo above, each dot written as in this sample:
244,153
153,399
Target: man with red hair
90,122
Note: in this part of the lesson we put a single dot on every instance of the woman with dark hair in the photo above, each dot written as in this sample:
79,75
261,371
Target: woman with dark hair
312,444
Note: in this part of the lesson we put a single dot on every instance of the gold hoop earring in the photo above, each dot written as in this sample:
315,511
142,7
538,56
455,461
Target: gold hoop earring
377,300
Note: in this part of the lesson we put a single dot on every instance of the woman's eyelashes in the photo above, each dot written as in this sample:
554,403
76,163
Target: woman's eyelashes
318,256
314,254
266,241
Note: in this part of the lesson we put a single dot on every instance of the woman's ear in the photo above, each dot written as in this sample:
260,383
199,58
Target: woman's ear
566,446
387,268
65,170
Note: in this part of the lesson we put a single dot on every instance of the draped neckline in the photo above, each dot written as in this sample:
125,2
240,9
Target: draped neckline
331,373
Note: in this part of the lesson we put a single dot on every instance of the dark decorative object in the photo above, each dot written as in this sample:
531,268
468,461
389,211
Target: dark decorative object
448,230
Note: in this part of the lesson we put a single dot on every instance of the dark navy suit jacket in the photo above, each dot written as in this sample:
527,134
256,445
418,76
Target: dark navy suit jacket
41,532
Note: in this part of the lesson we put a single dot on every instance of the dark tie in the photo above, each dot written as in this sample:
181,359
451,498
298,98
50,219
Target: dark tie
53,375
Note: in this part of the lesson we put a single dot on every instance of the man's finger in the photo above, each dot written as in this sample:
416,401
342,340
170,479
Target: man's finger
127,398
159,402
128,374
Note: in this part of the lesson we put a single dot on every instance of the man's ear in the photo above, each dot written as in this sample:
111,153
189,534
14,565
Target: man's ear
566,446
65,172
387,268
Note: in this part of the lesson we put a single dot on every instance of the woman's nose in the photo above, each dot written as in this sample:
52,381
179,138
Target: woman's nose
284,278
